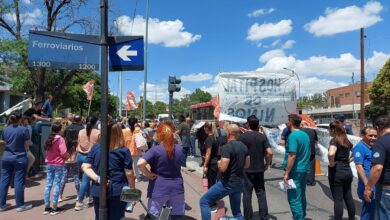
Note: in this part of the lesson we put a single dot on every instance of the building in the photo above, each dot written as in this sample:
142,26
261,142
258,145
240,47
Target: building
347,95
341,100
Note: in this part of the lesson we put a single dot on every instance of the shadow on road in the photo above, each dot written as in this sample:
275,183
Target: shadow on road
328,193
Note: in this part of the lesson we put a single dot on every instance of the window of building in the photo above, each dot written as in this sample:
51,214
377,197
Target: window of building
341,95
357,94
347,94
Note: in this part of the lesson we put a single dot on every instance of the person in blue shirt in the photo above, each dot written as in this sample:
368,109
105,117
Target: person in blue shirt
14,162
362,155
119,173
48,107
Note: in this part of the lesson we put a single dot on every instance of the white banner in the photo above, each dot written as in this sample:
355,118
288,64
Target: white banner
269,96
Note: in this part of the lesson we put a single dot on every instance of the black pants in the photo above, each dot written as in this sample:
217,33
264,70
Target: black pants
255,181
115,208
340,181
212,173
311,178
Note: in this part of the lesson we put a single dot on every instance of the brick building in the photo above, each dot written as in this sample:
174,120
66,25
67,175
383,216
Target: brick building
347,95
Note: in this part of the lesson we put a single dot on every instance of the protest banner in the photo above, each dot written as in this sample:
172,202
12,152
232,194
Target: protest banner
269,96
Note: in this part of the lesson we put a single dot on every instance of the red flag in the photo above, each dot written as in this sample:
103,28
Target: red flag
216,102
131,104
88,88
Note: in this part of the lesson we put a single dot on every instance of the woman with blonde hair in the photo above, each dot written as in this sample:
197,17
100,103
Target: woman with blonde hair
165,180
119,173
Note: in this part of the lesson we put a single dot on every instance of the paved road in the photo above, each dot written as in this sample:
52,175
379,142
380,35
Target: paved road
320,205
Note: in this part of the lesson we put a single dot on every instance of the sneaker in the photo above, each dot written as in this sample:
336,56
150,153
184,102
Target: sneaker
38,175
56,211
5,207
47,210
214,209
79,207
24,208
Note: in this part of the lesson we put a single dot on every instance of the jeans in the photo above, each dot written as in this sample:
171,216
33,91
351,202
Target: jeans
18,169
115,208
382,205
219,191
184,156
85,182
135,167
297,197
255,181
192,148
54,176
72,170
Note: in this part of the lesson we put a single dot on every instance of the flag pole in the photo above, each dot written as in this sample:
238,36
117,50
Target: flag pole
89,106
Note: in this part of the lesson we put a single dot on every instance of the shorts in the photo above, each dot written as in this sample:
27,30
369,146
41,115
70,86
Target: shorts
177,203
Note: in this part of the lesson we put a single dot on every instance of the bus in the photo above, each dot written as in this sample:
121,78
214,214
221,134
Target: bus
203,111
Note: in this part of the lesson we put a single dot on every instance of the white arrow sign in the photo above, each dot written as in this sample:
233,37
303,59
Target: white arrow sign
124,53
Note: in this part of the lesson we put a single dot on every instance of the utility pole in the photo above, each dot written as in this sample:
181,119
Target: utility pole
353,95
362,114
146,60
120,94
103,107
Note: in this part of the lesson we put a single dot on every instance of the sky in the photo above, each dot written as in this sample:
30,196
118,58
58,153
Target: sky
197,39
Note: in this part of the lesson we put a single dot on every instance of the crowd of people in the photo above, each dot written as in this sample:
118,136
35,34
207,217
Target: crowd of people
234,160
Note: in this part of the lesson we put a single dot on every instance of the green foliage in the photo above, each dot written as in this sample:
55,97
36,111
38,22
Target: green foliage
379,94
13,68
315,100
75,97
199,96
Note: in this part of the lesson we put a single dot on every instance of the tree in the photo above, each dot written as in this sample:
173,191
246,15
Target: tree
199,96
61,15
379,94
75,97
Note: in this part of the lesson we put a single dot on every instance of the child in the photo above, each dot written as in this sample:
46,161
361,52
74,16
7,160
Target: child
56,155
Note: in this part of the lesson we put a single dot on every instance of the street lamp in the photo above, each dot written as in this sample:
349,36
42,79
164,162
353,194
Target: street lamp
299,82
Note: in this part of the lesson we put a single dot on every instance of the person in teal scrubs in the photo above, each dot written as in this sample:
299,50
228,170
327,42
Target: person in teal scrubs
297,165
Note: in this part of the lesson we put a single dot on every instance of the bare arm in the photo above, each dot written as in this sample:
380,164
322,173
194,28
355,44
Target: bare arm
223,164
268,157
331,155
247,162
87,169
290,163
375,174
130,178
142,167
361,173
207,156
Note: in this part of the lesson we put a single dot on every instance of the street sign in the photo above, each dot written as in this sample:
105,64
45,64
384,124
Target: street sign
63,51
126,53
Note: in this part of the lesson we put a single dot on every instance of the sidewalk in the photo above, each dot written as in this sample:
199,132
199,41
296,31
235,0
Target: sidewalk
35,189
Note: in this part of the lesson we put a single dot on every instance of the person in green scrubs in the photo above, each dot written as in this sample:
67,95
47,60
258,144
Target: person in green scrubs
297,165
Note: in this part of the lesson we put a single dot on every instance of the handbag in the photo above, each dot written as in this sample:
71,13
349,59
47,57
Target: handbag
140,142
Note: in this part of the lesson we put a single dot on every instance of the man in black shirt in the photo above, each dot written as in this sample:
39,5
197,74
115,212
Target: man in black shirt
313,141
380,170
234,158
259,150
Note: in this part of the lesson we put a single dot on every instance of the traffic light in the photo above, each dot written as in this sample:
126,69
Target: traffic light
174,84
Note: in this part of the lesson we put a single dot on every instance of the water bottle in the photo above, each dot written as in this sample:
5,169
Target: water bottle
205,183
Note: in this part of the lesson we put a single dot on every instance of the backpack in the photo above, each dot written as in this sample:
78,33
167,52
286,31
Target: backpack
140,141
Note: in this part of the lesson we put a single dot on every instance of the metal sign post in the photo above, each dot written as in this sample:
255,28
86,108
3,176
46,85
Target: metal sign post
103,109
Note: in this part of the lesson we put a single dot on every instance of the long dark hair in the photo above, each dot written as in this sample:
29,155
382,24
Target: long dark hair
338,130
55,128
91,123
14,117
132,122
